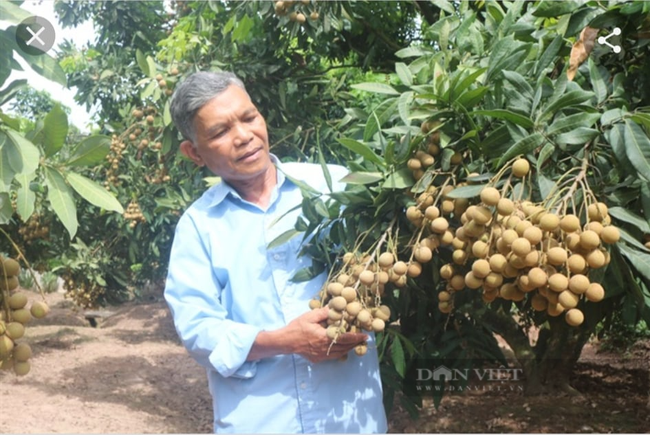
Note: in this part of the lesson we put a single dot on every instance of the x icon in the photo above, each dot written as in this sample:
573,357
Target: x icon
35,35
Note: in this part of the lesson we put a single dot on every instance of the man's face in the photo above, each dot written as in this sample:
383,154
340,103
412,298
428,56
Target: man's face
231,137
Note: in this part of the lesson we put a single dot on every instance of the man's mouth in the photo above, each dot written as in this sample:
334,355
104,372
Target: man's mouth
249,154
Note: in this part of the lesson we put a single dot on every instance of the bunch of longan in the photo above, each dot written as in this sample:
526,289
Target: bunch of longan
114,157
295,10
34,229
134,214
354,295
14,315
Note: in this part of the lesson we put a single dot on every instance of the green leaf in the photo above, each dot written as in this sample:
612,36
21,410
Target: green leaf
639,118
362,149
568,123
616,138
243,29
546,186
283,238
6,210
90,151
324,168
61,200
578,136
47,66
148,91
597,81
397,356
637,148
7,173
466,191
645,202
167,114
549,54
640,260
377,88
569,99
10,91
519,83
631,240
403,107
544,154
55,130
362,177
625,215
25,197
445,5
142,62
152,67
404,73
524,146
12,13
399,180
22,154
93,193
9,121
514,117
549,8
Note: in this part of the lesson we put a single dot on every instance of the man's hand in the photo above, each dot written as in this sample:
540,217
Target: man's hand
306,337
313,342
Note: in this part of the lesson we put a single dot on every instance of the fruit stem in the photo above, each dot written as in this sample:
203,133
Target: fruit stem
576,181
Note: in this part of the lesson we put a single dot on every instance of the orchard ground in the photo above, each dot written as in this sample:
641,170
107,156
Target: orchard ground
130,375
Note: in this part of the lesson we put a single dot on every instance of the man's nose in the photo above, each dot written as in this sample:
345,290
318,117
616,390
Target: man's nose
243,134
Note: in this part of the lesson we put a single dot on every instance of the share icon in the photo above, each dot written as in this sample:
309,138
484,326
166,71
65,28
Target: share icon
603,40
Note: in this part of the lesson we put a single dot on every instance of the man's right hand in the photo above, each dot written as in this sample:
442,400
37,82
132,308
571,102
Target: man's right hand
306,337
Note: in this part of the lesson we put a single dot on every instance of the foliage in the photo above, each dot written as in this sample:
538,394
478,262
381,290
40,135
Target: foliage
31,104
492,85
26,279
50,282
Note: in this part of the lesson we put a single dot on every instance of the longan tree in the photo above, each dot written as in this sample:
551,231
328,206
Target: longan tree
505,171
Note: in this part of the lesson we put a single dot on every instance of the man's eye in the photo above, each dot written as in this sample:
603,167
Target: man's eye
250,118
218,134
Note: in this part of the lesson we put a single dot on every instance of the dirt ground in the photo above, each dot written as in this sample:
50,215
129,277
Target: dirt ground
129,374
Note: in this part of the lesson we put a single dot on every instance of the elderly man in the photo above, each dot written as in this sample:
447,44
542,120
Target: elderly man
270,365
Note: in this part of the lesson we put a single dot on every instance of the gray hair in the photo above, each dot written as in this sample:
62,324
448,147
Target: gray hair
193,93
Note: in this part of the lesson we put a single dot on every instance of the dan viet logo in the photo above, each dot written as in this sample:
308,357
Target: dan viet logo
442,378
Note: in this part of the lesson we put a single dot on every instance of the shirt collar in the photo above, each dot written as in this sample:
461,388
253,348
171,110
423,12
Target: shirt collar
220,191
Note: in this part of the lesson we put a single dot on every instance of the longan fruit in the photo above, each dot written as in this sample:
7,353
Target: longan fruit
558,282
414,269
533,235
505,207
423,254
338,303
537,277
570,223
497,263
335,288
568,299
556,256
597,211
457,282
472,281
400,268
574,317
595,292
432,212
549,222
610,234
439,225
481,268
490,196
521,246
447,271
520,168
589,240
579,283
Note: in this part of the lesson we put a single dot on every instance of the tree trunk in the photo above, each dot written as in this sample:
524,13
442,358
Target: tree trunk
548,364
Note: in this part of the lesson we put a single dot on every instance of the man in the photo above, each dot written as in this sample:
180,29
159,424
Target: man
270,365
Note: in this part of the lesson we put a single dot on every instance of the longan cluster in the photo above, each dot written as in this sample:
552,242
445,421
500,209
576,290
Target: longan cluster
14,315
517,250
114,157
134,214
33,229
164,85
83,292
295,10
354,295
422,160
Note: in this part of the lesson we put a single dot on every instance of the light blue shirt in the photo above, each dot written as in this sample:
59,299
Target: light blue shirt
224,286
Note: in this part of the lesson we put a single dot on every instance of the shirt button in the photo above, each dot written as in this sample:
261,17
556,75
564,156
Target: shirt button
276,257
303,385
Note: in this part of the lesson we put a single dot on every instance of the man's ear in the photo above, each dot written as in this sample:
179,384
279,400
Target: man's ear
190,151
